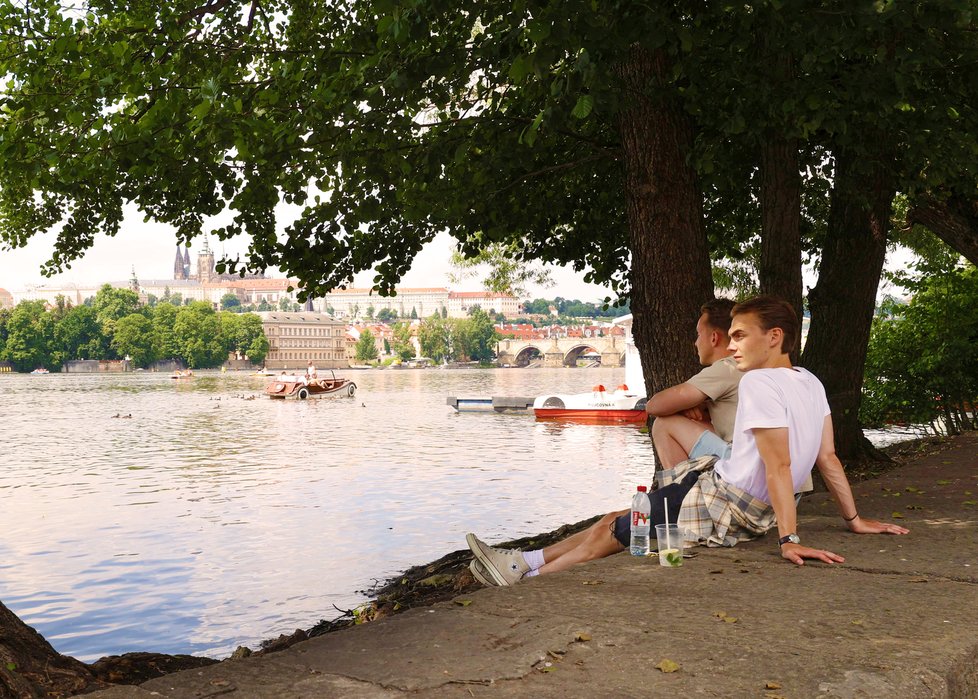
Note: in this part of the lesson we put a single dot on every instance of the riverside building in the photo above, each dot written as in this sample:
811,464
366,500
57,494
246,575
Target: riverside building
294,339
415,302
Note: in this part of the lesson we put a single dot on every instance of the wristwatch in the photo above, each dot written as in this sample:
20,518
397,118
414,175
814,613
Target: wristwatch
789,539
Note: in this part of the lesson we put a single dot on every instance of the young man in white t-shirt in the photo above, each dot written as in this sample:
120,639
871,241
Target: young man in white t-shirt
783,428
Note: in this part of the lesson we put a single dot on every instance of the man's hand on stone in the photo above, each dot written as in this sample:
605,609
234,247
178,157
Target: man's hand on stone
871,526
796,553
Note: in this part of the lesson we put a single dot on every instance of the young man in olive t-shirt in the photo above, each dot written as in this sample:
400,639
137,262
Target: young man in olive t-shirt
696,418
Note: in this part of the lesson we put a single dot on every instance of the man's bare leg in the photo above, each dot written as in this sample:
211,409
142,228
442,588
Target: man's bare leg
597,541
555,551
674,437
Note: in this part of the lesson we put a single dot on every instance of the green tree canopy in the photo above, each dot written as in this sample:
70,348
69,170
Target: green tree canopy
366,347
197,333
30,337
133,337
78,335
401,343
230,301
627,140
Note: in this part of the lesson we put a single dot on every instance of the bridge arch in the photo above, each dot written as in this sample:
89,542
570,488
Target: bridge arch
528,355
572,355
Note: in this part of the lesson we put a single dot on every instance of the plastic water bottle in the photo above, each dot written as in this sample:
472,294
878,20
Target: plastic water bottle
641,511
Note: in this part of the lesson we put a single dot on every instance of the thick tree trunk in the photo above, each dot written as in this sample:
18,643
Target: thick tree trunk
670,270
843,301
780,268
30,667
954,221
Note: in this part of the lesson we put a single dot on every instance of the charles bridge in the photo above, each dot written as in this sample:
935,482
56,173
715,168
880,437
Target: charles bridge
563,351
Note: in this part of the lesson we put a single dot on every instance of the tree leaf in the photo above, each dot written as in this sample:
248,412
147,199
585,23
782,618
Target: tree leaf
585,104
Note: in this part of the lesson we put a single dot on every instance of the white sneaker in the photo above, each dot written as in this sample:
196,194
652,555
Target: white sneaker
504,566
480,573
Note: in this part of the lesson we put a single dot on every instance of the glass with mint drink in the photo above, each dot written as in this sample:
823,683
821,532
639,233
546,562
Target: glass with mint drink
670,541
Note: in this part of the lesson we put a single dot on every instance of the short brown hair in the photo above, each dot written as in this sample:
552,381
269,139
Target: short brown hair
718,314
773,312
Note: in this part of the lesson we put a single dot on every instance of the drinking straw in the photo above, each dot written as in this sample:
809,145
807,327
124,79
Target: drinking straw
666,503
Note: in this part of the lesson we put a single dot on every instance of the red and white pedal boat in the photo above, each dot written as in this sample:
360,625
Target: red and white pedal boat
599,405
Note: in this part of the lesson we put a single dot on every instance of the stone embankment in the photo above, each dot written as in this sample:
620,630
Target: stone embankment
897,619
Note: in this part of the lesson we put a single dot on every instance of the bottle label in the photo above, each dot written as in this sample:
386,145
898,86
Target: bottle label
639,519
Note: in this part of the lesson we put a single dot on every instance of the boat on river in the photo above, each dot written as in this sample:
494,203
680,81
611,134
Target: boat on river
300,388
185,374
40,371
600,405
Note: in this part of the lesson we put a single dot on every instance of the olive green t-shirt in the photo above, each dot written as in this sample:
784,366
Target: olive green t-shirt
719,382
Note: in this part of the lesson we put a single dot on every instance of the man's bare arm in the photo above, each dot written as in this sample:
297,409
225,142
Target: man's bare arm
772,444
835,479
675,399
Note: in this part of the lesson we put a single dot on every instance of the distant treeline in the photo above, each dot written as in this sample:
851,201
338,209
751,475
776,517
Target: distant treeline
569,308
114,325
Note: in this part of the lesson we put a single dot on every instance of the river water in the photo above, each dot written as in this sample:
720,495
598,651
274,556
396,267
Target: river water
215,517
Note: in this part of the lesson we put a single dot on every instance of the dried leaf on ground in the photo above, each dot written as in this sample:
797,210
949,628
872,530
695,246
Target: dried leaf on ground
463,602
772,685
668,665
897,515
582,637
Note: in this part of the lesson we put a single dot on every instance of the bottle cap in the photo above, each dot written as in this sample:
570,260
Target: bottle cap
642,489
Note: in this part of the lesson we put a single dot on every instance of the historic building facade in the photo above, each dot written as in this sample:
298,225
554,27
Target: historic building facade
421,302
295,339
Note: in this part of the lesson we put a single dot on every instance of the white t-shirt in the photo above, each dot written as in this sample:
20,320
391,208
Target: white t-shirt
782,397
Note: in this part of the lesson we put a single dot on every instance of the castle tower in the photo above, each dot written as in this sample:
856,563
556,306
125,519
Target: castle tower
205,264
134,283
186,262
179,271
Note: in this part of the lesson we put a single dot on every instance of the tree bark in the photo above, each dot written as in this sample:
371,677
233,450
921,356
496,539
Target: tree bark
954,221
780,267
843,301
670,271
30,667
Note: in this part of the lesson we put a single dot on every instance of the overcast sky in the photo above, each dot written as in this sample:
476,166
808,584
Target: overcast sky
150,249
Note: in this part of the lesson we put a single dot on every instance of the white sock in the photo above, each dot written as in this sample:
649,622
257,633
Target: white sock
531,573
534,559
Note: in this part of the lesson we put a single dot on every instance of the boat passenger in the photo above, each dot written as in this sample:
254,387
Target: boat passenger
310,373
783,427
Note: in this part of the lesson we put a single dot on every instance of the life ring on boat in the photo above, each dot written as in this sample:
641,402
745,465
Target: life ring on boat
303,393
351,389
